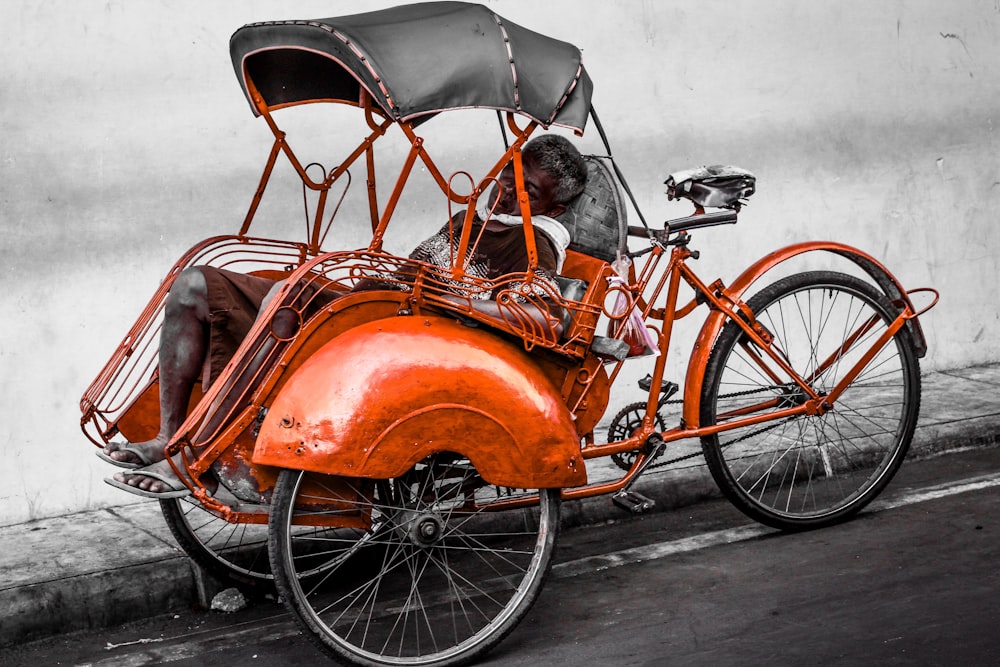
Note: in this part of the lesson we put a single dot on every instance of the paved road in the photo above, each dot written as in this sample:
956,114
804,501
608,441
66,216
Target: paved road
914,581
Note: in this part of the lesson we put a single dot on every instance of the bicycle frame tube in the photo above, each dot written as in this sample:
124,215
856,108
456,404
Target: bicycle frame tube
717,318
881,342
725,305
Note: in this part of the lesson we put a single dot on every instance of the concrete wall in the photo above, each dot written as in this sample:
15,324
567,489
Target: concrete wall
125,139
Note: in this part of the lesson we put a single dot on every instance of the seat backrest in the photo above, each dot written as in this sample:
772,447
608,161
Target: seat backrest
596,219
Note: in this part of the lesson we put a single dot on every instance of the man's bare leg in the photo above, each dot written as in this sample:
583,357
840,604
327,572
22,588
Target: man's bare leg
182,362
285,324
183,347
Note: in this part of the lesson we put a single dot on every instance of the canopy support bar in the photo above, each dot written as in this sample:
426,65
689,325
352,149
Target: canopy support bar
618,172
323,187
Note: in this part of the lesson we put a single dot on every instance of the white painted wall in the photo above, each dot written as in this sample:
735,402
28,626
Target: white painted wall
125,139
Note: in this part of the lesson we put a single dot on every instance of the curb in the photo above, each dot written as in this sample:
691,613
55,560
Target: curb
103,590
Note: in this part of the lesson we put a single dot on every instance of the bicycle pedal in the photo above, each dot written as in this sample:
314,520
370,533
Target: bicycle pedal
667,387
633,502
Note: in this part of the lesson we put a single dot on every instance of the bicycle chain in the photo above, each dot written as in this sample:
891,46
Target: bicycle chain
662,464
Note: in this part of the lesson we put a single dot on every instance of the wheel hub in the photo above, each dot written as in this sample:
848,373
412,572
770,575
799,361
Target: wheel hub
794,396
426,529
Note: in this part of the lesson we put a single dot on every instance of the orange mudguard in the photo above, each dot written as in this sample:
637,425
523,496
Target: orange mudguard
716,319
382,396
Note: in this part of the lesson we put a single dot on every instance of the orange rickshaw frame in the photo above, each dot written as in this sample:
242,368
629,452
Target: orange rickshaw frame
724,303
353,392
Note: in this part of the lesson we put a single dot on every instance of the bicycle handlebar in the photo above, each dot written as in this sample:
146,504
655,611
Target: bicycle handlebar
683,224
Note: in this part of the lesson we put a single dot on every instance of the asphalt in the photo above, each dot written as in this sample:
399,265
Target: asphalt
96,569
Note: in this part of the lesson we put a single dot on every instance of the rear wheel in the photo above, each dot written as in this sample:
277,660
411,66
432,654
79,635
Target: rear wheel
429,574
811,470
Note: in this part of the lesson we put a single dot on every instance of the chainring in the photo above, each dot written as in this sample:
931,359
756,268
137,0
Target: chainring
626,422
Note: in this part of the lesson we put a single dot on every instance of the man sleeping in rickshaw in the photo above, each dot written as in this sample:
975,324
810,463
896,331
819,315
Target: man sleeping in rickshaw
209,310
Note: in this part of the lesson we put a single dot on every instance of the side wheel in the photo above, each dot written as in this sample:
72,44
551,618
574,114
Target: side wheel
232,552
810,471
236,553
427,569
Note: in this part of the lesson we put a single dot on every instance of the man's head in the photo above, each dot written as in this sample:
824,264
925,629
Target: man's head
554,173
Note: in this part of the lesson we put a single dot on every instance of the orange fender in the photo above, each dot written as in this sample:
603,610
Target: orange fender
716,319
382,396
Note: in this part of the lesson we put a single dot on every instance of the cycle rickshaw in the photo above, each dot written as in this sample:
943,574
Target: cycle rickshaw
396,467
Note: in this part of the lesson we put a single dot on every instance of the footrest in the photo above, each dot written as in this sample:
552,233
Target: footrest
633,502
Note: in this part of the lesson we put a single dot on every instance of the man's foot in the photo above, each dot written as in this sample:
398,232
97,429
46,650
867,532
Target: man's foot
128,455
156,481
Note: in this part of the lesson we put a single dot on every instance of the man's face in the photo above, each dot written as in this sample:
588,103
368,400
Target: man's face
540,186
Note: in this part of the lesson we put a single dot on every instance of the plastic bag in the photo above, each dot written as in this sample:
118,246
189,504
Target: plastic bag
641,341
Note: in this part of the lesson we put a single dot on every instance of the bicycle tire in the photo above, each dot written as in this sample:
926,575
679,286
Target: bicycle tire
234,553
428,579
811,471
231,552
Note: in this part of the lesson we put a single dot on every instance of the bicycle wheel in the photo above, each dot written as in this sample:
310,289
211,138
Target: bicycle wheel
810,471
232,552
428,576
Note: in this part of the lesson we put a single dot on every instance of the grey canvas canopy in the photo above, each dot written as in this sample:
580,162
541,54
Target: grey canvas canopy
414,61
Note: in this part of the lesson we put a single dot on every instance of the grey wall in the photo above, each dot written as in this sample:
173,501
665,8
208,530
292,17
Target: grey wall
125,139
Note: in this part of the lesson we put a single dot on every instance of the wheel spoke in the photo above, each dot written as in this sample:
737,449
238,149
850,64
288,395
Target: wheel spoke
234,552
436,576
828,465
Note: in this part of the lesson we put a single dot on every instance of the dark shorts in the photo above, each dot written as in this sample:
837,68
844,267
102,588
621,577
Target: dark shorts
234,300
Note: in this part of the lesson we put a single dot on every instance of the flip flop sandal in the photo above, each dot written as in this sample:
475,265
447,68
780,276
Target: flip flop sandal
178,490
103,454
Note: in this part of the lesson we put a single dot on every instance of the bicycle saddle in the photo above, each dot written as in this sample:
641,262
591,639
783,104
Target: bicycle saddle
721,186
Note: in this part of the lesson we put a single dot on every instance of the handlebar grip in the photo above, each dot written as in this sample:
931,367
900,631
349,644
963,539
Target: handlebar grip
689,222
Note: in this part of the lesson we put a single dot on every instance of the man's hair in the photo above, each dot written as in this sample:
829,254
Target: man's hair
557,156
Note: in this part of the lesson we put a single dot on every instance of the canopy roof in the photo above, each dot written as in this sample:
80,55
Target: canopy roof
414,61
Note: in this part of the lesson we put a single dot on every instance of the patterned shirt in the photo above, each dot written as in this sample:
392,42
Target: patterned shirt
499,252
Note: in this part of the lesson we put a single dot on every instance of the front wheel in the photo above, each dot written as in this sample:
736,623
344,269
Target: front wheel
810,471
427,569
